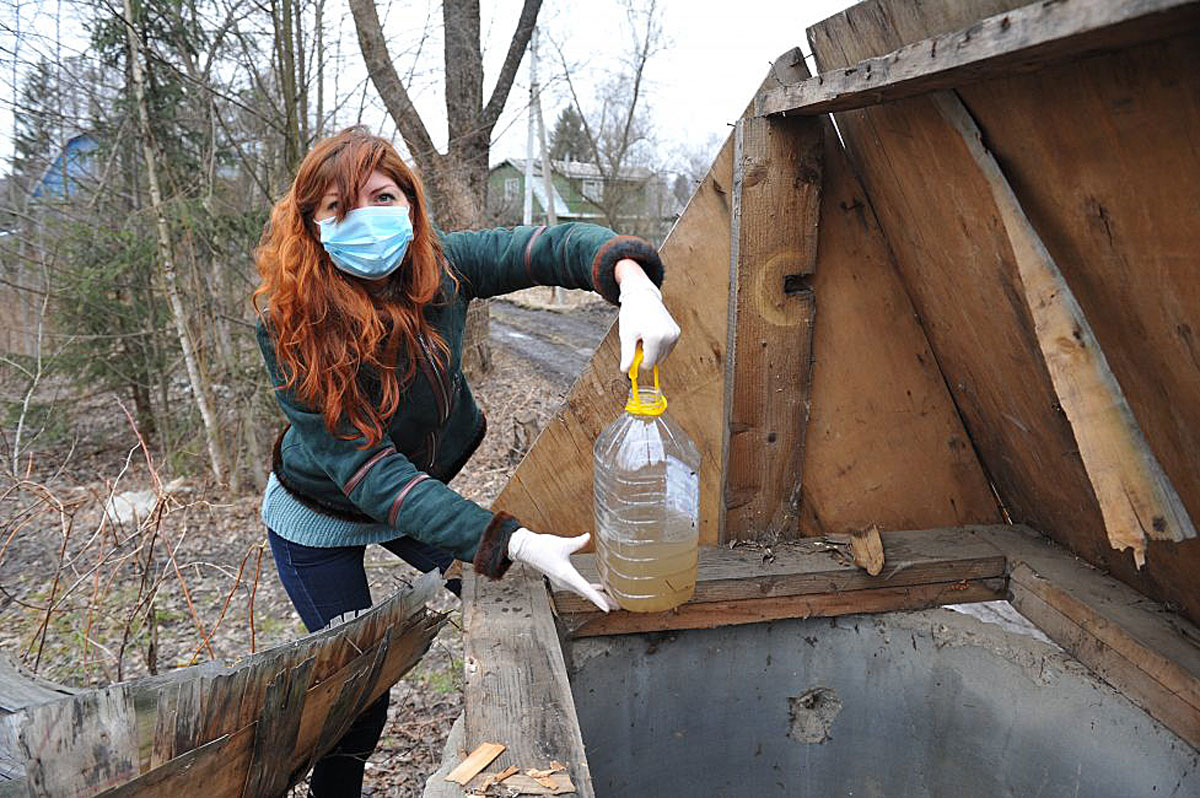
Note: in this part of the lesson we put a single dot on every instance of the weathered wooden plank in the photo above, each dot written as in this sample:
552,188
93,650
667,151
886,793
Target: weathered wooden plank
709,615
223,704
278,725
517,693
1136,498
19,689
162,743
12,762
1112,202
885,444
107,750
189,717
1021,40
81,745
217,768
351,694
768,362
808,567
375,672
1106,605
1070,172
1150,655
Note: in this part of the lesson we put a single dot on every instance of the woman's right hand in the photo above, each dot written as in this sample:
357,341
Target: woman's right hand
551,555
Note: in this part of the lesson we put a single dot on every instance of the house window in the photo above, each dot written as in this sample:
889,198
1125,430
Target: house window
512,188
593,189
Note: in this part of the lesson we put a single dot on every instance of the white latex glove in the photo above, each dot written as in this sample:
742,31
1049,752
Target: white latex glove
551,555
644,318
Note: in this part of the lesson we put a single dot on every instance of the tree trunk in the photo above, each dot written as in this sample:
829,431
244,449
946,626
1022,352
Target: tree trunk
166,259
457,181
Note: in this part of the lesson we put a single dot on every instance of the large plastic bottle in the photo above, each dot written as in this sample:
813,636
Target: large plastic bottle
647,494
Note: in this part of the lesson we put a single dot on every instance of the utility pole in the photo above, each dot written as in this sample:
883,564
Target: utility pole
536,112
527,214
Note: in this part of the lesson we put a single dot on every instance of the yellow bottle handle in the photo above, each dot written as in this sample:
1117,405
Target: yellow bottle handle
655,407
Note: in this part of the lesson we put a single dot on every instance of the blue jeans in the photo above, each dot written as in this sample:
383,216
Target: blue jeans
324,583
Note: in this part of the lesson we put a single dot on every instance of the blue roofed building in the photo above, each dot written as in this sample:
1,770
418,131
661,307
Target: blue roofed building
72,168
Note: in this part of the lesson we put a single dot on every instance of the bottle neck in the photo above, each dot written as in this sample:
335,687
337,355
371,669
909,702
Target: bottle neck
647,402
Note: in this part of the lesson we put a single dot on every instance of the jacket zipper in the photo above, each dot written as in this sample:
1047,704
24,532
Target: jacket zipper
441,391
436,382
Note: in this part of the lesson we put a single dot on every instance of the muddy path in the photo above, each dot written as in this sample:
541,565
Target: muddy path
559,344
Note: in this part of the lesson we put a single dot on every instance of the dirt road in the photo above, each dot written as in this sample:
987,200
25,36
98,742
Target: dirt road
559,344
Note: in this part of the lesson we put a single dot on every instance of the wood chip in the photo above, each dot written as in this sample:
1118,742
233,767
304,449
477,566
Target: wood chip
476,761
496,778
557,784
867,548
556,765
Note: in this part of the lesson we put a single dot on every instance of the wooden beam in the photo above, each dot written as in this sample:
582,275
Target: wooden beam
814,605
1151,656
517,692
777,169
808,568
1136,498
1008,43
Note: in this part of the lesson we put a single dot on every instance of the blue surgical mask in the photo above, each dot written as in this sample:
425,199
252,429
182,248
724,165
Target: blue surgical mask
370,242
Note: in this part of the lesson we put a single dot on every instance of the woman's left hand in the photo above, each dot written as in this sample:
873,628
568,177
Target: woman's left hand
643,317
551,555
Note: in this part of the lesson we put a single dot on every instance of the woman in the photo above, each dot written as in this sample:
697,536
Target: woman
362,336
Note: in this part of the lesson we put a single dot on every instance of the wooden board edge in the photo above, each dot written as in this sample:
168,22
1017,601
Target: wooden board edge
487,627
1126,676
709,615
1020,40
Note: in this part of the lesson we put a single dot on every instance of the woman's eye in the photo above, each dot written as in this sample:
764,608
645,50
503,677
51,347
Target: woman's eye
385,196
331,206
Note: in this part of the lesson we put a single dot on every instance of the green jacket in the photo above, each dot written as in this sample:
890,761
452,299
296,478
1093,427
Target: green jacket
401,480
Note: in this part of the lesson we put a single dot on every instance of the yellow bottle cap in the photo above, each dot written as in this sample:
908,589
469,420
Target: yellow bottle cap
656,406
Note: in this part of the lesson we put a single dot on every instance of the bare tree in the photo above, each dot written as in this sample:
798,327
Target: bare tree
616,131
458,177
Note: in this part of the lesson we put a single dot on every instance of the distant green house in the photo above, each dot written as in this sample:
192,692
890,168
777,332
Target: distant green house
579,192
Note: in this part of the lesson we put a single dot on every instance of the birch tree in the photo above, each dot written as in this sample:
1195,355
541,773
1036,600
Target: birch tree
166,258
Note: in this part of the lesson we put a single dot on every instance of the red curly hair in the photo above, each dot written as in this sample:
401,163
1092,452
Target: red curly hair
327,326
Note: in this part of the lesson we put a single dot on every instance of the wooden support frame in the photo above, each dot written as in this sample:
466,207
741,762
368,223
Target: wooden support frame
1149,655
1137,500
1090,148
1008,43
777,173
806,578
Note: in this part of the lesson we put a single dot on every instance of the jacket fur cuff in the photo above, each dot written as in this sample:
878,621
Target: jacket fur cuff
491,558
603,278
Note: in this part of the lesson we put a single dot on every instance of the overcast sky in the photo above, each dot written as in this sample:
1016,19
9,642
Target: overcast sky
713,56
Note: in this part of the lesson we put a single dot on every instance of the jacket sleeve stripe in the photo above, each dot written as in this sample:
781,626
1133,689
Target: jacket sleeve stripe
394,513
363,470
529,252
